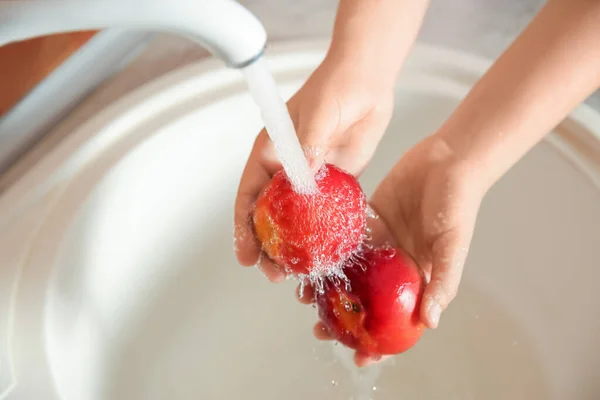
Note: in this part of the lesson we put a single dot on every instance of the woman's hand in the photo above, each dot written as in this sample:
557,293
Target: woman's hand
340,115
342,111
429,201
427,205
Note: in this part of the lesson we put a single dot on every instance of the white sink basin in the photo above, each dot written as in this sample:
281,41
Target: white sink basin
131,289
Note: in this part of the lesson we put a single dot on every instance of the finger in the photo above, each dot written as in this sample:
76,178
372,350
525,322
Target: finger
262,164
449,255
270,270
360,141
308,294
378,231
317,129
320,331
244,243
364,360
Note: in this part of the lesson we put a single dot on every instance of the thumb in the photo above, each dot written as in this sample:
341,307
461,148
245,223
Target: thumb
315,155
316,132
449,255
315,140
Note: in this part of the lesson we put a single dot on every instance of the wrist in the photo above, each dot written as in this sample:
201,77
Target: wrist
376,36
357,80
478,165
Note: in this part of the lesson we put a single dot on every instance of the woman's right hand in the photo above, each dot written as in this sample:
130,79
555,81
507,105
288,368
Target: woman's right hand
340,115
342,111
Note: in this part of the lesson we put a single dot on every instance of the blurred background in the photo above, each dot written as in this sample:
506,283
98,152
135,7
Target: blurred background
62,80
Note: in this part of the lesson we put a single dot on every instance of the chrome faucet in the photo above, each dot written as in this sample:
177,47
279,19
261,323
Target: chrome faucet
224,27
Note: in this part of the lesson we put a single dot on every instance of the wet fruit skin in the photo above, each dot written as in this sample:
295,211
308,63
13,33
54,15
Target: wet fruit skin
380,314
311,233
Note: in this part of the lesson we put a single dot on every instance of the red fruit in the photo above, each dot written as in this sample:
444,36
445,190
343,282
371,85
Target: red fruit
379,315
311,233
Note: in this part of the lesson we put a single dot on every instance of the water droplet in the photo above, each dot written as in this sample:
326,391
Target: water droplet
334,383
335,280
347,306
371,213
301,288
374,388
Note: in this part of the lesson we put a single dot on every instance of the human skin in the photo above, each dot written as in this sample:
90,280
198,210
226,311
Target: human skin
342,111
428,202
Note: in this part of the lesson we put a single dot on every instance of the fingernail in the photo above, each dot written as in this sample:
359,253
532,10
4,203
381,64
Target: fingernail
315,156
434,311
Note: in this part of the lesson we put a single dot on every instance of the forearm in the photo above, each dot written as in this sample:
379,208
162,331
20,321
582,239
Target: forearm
375,36
552,67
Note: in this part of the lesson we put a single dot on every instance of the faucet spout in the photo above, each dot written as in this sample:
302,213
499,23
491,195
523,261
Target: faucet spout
227,29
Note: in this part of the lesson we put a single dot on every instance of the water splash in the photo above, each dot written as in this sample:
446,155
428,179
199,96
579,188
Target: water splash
319,282
364,379
371,213
279,126
301,288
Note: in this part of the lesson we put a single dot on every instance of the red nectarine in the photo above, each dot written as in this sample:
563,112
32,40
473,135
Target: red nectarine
379,313
311,233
